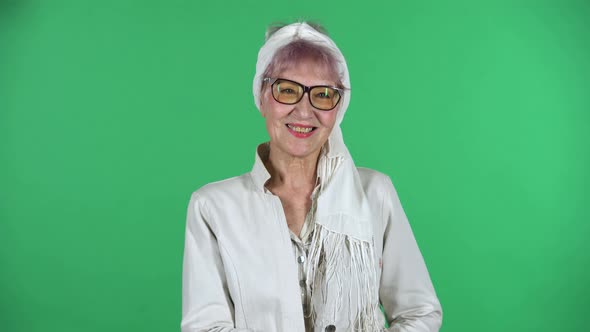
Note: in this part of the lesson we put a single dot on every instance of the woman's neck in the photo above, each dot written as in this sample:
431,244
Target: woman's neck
294,173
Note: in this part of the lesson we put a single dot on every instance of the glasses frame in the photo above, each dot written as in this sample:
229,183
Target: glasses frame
306,89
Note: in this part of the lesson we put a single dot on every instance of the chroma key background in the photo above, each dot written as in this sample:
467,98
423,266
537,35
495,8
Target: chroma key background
112,112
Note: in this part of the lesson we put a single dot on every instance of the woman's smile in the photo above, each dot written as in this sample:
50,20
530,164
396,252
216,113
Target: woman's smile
300,130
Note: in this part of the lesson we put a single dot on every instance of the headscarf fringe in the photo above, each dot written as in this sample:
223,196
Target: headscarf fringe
335,262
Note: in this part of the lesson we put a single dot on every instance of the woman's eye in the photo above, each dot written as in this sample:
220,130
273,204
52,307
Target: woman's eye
324,93
285,90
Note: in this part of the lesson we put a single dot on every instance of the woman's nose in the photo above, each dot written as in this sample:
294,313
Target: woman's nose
304,107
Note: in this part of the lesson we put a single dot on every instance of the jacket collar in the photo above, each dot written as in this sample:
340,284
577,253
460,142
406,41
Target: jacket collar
259,172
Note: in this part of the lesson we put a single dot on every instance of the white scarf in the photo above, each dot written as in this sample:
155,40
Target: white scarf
342,259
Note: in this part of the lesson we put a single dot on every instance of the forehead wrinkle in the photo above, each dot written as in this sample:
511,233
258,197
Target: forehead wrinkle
321,71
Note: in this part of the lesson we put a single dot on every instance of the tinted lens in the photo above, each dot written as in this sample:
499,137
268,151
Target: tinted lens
287,92
324,98
321,97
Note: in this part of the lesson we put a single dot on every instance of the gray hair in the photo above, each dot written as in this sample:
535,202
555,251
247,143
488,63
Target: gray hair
301,49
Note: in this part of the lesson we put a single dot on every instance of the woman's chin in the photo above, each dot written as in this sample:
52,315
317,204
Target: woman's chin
302,150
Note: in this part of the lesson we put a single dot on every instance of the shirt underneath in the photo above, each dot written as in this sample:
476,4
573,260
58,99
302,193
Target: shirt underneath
300,245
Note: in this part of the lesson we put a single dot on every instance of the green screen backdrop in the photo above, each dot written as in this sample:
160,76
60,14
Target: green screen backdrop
112,112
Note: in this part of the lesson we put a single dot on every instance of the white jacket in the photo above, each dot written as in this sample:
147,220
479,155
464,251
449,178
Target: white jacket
240,272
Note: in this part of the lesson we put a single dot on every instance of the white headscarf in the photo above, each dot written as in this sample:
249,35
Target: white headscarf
342,273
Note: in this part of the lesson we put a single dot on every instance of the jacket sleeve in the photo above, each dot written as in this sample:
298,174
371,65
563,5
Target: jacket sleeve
206,303
406,291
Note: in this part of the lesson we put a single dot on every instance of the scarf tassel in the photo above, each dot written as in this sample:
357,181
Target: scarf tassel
343,281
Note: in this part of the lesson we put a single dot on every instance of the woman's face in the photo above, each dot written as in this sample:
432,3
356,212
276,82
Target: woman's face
285,123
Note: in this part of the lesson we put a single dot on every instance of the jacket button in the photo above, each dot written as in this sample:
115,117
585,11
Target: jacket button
301,259
330,328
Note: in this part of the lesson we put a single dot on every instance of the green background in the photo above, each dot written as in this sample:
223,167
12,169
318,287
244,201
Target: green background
112,112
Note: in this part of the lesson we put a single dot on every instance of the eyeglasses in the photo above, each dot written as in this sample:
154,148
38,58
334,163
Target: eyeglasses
322,97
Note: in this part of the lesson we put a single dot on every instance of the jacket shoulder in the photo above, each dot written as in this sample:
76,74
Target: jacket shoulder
373,180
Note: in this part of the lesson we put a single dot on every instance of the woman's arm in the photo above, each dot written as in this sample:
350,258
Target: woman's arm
406,291
206,304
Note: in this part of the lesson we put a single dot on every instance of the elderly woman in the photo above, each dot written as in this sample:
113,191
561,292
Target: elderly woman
306,241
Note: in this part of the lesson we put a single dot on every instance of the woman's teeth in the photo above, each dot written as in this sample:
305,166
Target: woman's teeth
302,130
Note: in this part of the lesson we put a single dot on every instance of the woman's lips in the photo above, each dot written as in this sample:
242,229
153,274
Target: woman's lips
300,130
